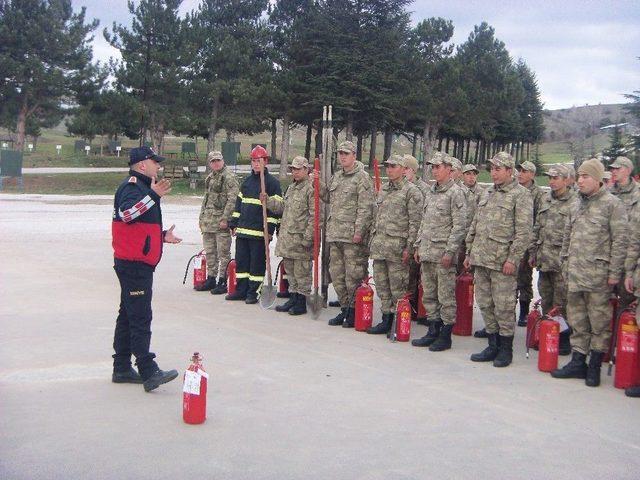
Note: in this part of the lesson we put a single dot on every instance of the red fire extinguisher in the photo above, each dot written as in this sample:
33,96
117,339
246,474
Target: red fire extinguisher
364,306
199,269
464,305
533,327
231,276
627,352
283,282
403,320
194,392
422,312
548,346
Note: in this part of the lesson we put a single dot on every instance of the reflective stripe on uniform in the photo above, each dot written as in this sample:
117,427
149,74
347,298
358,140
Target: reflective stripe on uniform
273,220
249,231
242,275
253,278
277,197
235,214
138,209
252,201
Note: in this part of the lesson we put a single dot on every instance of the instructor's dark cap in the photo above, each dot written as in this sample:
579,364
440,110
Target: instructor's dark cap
139,154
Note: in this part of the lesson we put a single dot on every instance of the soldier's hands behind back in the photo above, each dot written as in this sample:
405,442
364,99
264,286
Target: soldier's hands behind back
162,187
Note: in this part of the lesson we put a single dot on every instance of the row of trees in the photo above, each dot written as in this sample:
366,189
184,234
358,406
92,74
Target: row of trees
243,65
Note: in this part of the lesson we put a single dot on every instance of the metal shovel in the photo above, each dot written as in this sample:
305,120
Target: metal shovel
316,301
268,291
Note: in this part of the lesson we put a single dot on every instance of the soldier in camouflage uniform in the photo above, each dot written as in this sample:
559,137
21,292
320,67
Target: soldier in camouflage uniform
351,203
546,244
526,178
632,274
220,192
410,173
395,230
593,256
295,235
627,190
498,237
442,229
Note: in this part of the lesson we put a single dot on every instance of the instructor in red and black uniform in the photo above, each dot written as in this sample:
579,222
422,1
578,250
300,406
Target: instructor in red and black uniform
137,239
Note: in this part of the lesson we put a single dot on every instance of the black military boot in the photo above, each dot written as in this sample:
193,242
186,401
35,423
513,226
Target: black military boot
505,352
524,311
241,290
338,319
221,288
286,306
576,368
443,342
252,292
482,333
158,378
334,303
209,284
350,319
564,347
490,353
593,370
430,337
300,307
384,326
126,376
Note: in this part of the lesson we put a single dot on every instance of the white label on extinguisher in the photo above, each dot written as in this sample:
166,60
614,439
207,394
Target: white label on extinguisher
197,262
191,382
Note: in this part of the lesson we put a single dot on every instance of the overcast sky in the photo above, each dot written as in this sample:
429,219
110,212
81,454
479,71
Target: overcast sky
582,51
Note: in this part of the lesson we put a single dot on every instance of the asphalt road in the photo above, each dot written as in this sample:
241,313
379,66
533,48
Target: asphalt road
289,398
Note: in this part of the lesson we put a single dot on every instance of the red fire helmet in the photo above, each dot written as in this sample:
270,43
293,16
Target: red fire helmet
259,152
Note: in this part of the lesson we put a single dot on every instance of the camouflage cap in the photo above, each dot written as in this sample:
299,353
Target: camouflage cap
502,159
299,162
622,162
396,160
528,166
592,167
470,168
411,162
440,158
347,147
215,155
558,171
455,163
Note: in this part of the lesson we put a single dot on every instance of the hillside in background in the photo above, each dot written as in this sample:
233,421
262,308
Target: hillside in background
580,122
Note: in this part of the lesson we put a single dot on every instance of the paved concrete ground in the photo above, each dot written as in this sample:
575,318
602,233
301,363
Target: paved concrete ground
289,398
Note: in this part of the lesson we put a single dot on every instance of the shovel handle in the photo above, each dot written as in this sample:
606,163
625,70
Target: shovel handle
316,222
265,225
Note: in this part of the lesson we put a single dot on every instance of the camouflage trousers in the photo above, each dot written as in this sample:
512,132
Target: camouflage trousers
298,275
217,247
525,280
439,291
348,266
496,296
589,315
553,291
392,279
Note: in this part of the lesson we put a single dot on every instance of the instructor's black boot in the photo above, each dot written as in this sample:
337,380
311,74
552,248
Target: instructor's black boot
252,292
576,368
338,319
220,288
288,305
430,337
334,303
505,352
209,284
593,370
482,333
350,319
524,311
564,347
127,376
443,342
158,378
633,391
490,353
384,326
300,307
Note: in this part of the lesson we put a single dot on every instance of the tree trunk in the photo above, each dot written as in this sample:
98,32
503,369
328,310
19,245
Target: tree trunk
446,145
372,149
475,154
230,135
284,146
466,158
274,139
101,144
307,142
440,144
388,141
349,127
359,147
21,125
213,125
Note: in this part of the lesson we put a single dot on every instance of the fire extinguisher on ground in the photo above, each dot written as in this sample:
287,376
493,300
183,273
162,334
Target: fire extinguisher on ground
194,392
402,323
533,327
231,276
548,345
199,269
627,357
464,305
283,282
363,306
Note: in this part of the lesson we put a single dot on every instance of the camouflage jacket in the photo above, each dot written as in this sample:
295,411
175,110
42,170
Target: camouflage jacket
397,221
594,242
629,195
473,199
546,242
220,192
295,235
443,226
537,195
422,186
351,204
632,262
501,228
